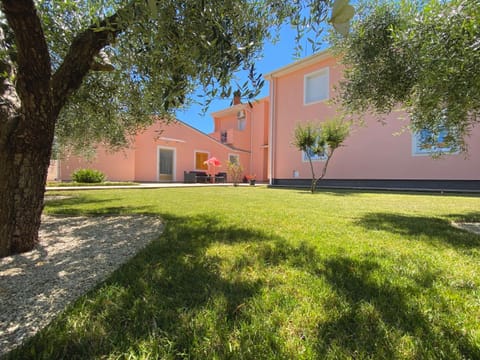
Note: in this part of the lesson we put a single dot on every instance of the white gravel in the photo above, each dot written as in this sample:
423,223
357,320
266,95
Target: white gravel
74,254
473,227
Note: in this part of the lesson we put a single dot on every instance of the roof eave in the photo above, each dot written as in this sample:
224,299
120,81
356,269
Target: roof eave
230,110
300,64
233,109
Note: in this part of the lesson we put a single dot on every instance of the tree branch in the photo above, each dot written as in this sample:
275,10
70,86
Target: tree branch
80,58
32,85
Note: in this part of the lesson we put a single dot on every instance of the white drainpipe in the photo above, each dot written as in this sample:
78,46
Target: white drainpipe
271,165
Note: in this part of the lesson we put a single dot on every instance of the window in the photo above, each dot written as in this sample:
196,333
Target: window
426,143
317,86
234,158
241,120
223,137
200,158
314,157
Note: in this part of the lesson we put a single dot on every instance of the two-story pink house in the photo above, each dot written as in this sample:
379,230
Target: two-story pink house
375,155
259,137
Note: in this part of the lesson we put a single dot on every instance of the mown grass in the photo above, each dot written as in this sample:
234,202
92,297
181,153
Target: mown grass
257,273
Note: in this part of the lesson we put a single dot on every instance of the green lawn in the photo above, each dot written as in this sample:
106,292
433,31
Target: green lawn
257,273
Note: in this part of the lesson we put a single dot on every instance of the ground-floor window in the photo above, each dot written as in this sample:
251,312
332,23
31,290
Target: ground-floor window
315,157
234,158
426,142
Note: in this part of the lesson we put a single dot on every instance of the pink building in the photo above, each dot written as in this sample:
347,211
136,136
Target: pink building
259,137
374,155
163,153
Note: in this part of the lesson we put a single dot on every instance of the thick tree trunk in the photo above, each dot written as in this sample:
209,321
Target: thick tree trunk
23,172
27,123
30,102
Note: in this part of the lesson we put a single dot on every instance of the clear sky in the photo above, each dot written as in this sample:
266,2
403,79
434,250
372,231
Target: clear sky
274,56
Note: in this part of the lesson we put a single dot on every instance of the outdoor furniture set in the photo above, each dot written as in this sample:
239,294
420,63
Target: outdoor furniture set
202,177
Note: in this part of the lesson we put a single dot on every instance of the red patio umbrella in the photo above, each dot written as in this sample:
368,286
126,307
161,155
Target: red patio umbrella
213,162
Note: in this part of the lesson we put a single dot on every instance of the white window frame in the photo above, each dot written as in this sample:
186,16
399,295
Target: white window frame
241,120
315,157
418,151
324,72
195,158
234,155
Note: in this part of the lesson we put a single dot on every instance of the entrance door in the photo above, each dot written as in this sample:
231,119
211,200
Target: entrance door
166,162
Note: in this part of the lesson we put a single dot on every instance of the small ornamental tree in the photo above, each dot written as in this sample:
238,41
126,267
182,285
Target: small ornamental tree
235,172
320,140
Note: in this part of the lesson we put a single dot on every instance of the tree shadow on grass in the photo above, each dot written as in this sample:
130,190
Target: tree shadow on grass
167,299
382,319
73,206
472,216
372,314
430,229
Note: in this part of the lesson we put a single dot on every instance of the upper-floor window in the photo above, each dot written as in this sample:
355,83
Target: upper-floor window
425,142
223,137
317,86
241,120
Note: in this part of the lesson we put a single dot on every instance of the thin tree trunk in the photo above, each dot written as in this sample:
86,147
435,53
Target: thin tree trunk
314,181
324,171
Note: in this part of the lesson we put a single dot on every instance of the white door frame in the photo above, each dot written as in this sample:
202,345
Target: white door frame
174,170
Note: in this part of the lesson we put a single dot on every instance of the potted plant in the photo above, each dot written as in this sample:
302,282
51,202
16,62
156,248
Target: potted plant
251,179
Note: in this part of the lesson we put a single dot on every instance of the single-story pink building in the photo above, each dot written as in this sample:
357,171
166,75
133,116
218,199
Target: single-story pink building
259,137
164,152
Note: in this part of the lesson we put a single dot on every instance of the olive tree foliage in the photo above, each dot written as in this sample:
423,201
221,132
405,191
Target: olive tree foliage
155,54
422,56
320,141
159,52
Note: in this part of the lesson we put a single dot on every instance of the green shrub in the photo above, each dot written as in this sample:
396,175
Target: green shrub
88,176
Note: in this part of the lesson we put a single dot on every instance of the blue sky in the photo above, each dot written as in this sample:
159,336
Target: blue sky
274,56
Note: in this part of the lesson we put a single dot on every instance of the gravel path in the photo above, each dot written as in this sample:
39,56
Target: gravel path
74,254
473,227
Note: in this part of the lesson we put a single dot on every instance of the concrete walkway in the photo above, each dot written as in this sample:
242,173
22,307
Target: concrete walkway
139,186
